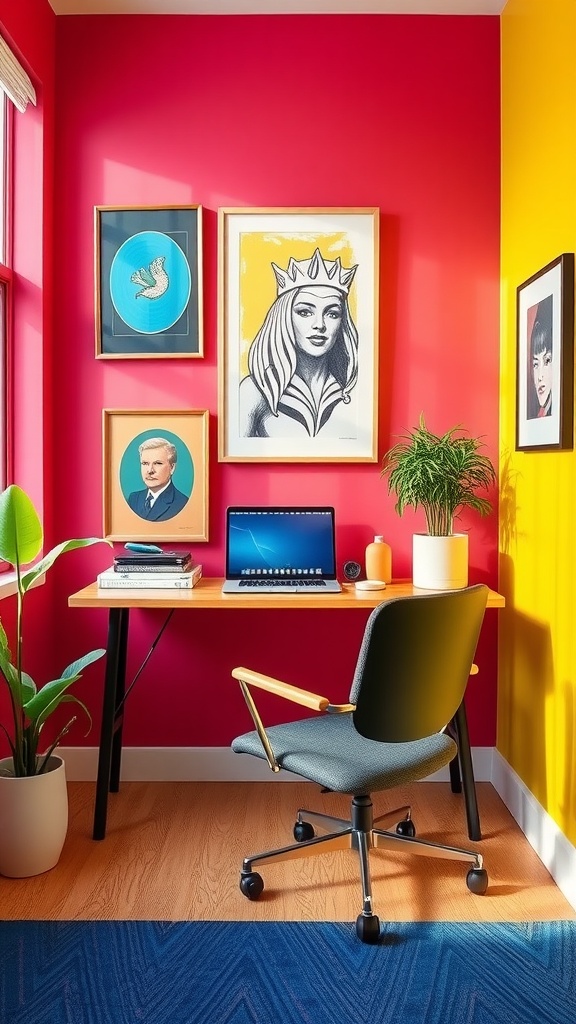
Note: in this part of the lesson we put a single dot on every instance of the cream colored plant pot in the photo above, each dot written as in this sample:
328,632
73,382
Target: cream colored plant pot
33,819
440,563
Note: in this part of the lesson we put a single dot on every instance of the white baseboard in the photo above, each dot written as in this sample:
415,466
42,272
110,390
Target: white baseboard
209,764
545,837
221,764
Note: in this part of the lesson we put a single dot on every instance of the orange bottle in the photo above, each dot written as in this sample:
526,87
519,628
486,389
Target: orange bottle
379,560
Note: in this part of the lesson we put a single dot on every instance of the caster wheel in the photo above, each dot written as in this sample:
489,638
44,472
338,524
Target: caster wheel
251,885
302,831
406,828
368,928
477,881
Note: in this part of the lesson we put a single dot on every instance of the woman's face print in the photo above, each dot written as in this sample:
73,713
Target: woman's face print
317,318
542,371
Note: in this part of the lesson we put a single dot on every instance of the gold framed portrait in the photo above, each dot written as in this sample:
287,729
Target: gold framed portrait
155,465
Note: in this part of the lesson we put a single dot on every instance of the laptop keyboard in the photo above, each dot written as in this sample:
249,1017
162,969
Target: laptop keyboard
281,584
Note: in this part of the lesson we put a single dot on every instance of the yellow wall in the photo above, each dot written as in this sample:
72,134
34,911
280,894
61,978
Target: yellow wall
537,701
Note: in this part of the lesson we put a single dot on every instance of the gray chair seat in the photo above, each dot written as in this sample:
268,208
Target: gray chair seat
307,747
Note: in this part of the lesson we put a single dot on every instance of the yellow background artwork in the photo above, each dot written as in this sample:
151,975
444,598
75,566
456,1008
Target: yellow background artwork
258,250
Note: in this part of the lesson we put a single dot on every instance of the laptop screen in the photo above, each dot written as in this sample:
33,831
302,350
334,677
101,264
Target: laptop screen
280,541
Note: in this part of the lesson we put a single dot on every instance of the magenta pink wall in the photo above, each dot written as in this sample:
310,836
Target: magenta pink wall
29,27
401,113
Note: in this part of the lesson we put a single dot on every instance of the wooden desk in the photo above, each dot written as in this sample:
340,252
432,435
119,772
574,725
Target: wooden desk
208,594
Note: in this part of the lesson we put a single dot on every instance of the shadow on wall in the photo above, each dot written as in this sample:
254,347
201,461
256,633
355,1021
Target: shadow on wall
526,680
507,507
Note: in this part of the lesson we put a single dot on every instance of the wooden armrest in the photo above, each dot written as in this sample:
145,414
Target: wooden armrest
286,690
247,678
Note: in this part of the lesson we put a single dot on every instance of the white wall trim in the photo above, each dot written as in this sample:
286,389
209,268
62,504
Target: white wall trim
209,764
545,837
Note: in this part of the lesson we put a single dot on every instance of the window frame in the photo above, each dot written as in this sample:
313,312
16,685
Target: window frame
7,285
7,585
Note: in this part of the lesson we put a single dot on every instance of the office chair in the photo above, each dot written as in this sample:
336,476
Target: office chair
410,678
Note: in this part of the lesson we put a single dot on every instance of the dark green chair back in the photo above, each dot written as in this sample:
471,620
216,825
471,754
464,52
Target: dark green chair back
414,663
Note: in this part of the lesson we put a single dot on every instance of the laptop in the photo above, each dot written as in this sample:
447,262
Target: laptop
280,550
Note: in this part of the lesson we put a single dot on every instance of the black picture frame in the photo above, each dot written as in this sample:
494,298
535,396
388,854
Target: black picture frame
545,358
148,276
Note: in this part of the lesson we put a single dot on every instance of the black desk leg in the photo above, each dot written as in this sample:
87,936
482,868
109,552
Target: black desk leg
119,706
468,783
114,683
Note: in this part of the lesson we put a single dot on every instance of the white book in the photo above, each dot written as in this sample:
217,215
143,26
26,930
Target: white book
131,574
112,579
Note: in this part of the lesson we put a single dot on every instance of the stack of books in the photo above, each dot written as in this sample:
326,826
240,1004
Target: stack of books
171,570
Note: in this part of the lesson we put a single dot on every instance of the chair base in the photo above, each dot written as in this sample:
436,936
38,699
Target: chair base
359,833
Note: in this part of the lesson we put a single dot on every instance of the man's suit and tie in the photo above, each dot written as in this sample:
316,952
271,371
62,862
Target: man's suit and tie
167,505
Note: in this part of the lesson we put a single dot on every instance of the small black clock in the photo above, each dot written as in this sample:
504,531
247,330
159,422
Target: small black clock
352,571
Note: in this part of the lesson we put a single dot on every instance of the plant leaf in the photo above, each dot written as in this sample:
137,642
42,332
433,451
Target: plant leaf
50,695
21,687
20,528
440,474
48,560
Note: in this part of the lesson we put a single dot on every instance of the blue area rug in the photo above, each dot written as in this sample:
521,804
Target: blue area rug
142,972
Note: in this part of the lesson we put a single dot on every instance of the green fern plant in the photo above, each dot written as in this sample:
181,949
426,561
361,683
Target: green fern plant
21,539
440,474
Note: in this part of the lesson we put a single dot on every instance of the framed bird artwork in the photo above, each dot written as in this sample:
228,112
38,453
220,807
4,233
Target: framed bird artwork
148,271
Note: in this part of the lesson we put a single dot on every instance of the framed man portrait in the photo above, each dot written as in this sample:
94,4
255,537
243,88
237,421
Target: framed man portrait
148,282
545,358
155,475
298,335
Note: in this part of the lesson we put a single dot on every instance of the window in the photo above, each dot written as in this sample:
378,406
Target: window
6,276
16,90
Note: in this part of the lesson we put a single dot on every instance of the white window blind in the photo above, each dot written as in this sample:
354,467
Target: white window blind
14,80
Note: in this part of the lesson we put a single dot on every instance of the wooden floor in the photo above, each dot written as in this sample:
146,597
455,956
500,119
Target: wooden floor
173,852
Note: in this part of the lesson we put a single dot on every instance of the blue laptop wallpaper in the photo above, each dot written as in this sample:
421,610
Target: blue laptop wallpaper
280,542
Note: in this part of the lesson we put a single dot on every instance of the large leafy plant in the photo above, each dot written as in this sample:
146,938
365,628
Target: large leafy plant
441,474
21,539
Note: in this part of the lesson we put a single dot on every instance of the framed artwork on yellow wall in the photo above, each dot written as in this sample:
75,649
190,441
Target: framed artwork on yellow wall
155,475
148,282
298,335
545,358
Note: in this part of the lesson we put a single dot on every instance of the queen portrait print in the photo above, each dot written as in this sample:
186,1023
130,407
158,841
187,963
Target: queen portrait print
303,362
299,336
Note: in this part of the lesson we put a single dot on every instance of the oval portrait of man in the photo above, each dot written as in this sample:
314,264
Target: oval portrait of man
156,475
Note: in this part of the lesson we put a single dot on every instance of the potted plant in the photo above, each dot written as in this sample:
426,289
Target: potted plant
33,794
442,474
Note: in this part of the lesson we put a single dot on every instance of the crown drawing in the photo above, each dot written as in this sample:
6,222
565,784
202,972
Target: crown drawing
315,271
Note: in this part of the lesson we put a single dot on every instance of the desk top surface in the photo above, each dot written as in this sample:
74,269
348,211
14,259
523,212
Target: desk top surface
208,594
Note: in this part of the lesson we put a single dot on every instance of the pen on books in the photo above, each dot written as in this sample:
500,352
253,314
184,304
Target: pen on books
145,549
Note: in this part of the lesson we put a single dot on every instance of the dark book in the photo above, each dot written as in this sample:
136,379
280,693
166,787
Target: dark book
167,558
158,567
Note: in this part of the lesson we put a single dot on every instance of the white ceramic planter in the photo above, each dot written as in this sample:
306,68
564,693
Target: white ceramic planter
33,820
440,563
